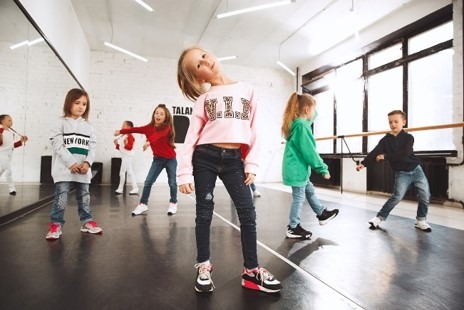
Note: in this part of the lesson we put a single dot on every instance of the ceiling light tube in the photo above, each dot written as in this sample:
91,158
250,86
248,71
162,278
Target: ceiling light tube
35,41
286,68
226,58
146,6
19,44
125,51
254,8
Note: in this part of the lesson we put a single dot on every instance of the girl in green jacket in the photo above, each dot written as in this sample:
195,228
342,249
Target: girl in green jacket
299,157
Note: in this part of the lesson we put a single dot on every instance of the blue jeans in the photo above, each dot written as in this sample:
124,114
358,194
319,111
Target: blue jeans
299,194
210,162
403,180
157,165
253,186
60,202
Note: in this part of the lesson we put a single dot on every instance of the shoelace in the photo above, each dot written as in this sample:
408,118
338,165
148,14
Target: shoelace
204,272
92,223
54,228
264,275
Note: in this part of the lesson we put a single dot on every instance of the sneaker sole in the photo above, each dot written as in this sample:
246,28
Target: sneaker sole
90,232
307,237
53,238
253,286
424,230
171,213
322,223
200,291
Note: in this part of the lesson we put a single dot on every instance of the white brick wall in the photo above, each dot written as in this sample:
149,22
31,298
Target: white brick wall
124,88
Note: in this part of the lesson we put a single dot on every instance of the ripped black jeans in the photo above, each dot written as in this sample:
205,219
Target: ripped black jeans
209,162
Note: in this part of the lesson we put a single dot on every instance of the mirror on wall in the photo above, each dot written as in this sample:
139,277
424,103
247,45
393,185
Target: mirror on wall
33,84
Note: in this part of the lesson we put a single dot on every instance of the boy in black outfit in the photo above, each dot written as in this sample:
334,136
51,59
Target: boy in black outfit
397,148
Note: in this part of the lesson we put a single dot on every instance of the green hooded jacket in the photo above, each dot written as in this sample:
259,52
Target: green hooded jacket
301,155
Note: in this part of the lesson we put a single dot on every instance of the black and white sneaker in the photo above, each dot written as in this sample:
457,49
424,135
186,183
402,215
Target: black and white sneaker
298,232
204,283
326,216
260,279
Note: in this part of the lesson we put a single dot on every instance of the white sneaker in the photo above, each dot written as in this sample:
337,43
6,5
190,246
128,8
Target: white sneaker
134,191
140,209
256,193
119,191
172,208
375,222
422,225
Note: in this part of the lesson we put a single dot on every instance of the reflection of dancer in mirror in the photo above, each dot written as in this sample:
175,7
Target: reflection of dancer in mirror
7,144
160,135
127,155
224,117
73,142
300,156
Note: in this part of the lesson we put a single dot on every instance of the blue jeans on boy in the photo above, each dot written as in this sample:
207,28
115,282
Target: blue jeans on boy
299,194
210,162
403,180
157,165
60,201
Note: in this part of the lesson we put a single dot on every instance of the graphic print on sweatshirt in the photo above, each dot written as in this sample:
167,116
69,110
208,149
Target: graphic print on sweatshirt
213,111
76,143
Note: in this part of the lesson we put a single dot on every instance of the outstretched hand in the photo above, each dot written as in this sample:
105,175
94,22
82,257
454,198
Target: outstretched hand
359,167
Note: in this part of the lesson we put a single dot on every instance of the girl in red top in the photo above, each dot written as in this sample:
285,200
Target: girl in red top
160,134
127,155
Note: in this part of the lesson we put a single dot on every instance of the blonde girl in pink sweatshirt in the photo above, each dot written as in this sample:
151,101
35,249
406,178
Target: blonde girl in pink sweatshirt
224,117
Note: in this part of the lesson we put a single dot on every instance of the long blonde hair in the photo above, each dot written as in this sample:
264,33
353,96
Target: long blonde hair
294,109
188,84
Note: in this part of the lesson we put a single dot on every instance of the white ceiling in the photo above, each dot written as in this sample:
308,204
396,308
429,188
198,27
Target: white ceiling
256,38
297,31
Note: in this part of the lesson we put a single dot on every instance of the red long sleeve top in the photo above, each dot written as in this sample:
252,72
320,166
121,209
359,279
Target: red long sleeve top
158,138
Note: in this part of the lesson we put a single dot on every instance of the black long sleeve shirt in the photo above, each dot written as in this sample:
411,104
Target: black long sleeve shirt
398,150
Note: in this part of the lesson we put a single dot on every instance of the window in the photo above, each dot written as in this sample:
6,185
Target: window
323,125
385,56
385,94
349,94
430,100
430,38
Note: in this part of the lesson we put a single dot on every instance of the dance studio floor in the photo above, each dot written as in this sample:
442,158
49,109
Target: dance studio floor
146,262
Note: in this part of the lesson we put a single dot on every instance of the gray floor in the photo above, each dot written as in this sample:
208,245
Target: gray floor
146,262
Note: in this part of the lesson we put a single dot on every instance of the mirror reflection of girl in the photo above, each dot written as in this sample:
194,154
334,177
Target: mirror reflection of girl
160,135
73,142
127,155
7,145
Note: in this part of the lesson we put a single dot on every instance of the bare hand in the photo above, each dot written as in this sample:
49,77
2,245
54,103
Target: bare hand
116,142
359,167
75,168
146,145
24,138
380,157
117,132
327,176
84,167
186,188
250,178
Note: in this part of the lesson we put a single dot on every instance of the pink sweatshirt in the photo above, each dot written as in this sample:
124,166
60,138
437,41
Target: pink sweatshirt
224,114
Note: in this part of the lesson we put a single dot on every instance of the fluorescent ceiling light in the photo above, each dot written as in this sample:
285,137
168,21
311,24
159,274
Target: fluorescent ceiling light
286,68
29,43
146,6
226,58
35,41
125,51
255,8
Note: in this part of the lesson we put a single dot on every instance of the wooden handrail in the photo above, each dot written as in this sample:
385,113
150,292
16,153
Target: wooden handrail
371,133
